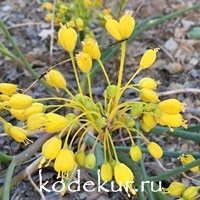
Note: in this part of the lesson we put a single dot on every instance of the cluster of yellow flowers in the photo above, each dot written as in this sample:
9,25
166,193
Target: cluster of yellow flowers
86,11
177,189
103,117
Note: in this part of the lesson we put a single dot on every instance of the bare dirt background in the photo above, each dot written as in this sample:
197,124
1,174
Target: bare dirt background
177,67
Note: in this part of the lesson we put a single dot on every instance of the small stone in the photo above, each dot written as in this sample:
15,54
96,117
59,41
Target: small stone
171,45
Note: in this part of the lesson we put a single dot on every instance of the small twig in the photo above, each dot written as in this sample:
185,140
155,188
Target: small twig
138,9
167,53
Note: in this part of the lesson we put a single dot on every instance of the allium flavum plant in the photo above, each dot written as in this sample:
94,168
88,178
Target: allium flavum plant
104,117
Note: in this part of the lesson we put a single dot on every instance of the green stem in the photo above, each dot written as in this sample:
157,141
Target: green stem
27,66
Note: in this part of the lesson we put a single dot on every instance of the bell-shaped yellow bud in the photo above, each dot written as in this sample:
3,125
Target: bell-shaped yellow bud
6,127
80,157
19,135
8,88
36,121
137,109
190,193
67,38
171,106
148,83
126,25
79,24
172,120
50,150
48,17
124,176
35,108
55,122
148,58
175,189
90,161
88,3
20,101
55,79
4,97
63,8
148,95
91,47
47,5
144,127
106,171
185,159
149,120
18,114
112,26
135,153
155,150
64,162
84,62
112,163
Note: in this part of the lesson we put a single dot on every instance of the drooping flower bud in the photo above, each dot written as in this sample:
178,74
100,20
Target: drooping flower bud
106,172
91,47
79,24
55,79
84,62
4,97
18,114
8,88
48,17
47,5
50,150
190,193
149,120
111,91
155,150
175,189
148,58
36,121
55,122
90,161
67,38
20,101
126,25
64,162
80,157
171,106
6,127
144,127
129,122
148,95
188,158
35,108
112,26
135,153
148,83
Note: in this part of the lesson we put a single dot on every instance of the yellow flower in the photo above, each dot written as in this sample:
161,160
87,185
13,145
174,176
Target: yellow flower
80,157
88,3
144,127
47,5
185,159
64,162
112,26
50,150
55,122
4,97
171,106
149,120
190,193
36,121
19,134
171,120
126,25
71,24
106,171
48,17
67,38
63,8
55,79
18,114
8,88
175,189
35,108
6,127
90,161
91,47
148,83
155,150
148,58
148,95
124,176
135,153
79,24
20,101
84,62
